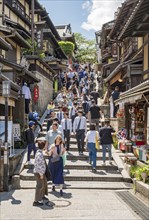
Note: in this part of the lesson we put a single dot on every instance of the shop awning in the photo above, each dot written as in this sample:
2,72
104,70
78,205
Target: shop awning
134,94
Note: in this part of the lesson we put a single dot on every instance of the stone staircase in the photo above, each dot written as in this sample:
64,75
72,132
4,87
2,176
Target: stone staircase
78,172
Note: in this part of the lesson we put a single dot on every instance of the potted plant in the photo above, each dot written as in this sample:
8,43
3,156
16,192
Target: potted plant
145,172
142,173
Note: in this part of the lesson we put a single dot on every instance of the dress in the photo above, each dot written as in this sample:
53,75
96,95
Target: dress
57,168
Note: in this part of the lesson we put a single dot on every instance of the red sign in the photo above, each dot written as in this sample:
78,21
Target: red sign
36,93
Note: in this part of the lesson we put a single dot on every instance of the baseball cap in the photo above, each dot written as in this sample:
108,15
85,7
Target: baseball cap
31,123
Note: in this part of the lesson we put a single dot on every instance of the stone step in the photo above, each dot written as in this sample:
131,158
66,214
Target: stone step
80,165
81,185
79,175
74,156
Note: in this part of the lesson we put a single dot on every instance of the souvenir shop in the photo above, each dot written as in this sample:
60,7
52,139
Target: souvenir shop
134,137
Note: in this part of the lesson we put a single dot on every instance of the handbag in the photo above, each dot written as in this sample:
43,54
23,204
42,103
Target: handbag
48,173
97,146
55,159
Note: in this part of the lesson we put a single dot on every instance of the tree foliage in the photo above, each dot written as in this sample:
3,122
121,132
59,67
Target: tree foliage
67,47
86,51
33,50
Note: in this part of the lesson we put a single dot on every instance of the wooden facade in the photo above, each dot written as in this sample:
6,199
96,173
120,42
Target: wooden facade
130,33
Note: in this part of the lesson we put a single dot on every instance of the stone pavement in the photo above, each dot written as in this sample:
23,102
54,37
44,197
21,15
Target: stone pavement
76,204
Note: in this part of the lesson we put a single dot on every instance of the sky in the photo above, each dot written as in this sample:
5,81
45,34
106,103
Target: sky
85,16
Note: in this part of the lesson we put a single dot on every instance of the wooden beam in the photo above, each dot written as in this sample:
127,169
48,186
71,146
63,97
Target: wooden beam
139,25
139,32
146,16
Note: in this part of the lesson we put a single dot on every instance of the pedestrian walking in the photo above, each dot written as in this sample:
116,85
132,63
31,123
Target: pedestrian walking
105,134
59,128
30,140
85,105
67,129
39,172
51,135
34,116
95,95
51,119
92,137
56,166
60,113
73,112
79,129
95,114
115,95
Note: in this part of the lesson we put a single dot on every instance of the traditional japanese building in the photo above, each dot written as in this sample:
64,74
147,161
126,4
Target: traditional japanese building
130,70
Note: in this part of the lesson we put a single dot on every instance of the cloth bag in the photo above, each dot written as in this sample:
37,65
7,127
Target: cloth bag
97,146
64,157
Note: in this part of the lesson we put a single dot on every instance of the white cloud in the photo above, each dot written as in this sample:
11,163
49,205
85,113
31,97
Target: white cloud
100,12
86,5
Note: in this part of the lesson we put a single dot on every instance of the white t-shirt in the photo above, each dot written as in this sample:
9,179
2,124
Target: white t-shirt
91,136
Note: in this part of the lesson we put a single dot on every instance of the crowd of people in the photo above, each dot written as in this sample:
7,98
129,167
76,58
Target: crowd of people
77,103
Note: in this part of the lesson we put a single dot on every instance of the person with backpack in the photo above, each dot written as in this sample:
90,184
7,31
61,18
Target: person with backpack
106,141
34,116
30,140
95,114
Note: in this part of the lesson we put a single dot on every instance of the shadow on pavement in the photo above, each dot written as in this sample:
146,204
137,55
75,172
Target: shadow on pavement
65,195
5,196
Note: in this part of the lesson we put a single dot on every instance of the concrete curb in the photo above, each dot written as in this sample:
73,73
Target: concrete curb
118,161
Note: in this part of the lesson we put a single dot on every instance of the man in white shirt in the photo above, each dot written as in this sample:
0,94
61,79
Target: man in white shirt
79,129
26,92
67,129
60,114
72,112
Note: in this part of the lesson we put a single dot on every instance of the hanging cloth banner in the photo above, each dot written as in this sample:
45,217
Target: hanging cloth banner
36,93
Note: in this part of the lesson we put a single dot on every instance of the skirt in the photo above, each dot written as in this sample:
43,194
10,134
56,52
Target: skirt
56,170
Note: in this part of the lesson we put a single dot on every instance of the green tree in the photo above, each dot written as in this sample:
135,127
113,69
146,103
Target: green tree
33,50
86,51
67,47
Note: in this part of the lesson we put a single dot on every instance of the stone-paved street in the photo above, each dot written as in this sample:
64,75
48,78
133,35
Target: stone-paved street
75,205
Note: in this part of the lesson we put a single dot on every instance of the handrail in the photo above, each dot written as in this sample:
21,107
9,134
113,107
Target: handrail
2,134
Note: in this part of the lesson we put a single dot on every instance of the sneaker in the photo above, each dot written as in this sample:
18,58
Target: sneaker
37,203
94,170
61,192
53,188
29,163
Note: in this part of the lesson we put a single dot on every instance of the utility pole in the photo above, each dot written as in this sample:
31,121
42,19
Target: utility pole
32,23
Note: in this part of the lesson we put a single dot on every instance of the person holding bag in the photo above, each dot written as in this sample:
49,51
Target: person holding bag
56,166
92,139
39,172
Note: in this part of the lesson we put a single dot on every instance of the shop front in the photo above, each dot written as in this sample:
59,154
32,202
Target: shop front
135,113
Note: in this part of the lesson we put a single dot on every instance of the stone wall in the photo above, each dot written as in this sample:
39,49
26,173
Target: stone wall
117,124
45,93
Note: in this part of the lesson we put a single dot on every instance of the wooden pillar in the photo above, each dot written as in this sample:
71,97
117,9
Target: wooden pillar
19,113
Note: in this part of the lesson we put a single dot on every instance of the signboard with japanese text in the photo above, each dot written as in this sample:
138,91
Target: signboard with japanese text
16,132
